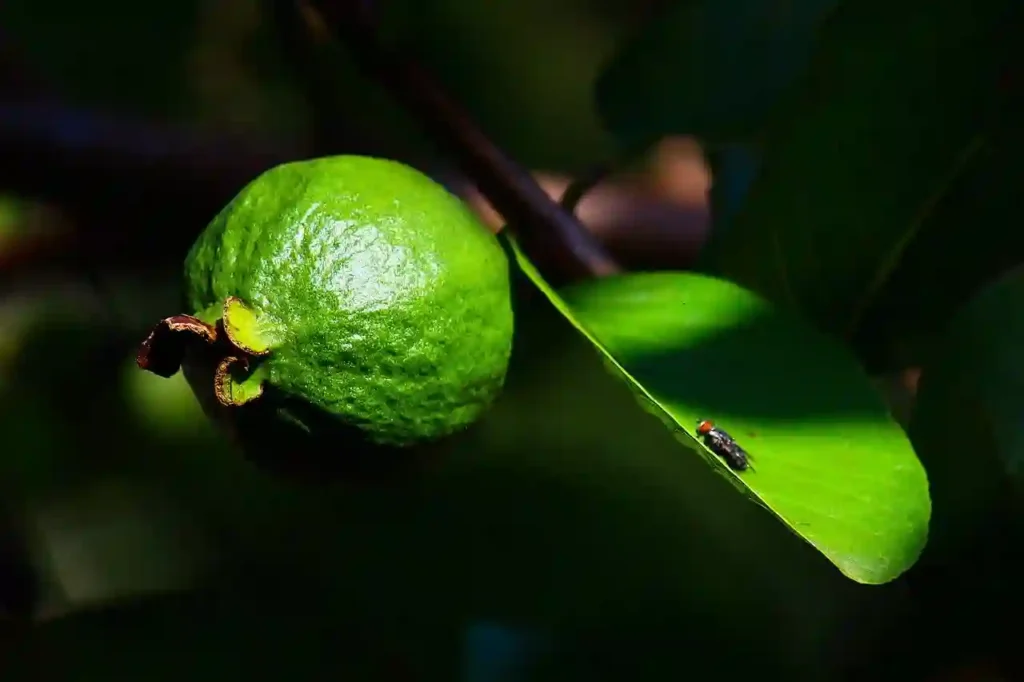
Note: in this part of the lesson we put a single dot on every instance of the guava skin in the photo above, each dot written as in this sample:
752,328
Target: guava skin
383,300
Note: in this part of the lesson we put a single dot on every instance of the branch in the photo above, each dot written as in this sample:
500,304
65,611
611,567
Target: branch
554,239
298,44
136,192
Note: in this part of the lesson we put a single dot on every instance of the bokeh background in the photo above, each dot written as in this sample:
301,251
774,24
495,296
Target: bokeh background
134,543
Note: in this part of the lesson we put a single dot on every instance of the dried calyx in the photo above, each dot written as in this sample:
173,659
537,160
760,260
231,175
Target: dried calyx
237,338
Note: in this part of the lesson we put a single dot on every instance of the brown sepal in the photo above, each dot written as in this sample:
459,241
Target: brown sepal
163,350
226,383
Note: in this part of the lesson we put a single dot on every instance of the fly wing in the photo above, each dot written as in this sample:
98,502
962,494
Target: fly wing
725,436
717,441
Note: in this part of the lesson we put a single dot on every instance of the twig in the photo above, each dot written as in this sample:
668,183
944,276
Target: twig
299,47
136,193
559,245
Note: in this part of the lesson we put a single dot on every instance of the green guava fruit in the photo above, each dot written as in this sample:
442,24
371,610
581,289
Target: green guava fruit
338,300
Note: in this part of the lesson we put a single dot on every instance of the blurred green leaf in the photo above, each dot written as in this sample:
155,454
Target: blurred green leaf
167,406
46,341
894,107
215,64
829,460
108,53
967,239
734,169
12,210
523,69
113,538
711,68
967,421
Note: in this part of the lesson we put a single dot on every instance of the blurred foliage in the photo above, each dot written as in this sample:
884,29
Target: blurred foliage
220,64
878,99
222,634
109,53
513,68
737,58
975,383
908,101
533,518
969,237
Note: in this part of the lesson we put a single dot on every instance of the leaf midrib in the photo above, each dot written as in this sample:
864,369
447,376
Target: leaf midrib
892,259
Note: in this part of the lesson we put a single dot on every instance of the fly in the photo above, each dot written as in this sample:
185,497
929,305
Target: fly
723,445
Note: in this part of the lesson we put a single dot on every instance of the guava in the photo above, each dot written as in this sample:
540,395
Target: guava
345,301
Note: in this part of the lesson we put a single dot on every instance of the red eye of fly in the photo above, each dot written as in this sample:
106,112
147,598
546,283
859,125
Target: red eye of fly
704,427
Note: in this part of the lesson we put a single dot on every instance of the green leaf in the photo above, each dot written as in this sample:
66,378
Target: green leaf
967,420
828,459
894,108
966,239
108,53
734,169
712,68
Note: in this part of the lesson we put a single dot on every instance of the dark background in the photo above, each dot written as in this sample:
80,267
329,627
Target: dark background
134,543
